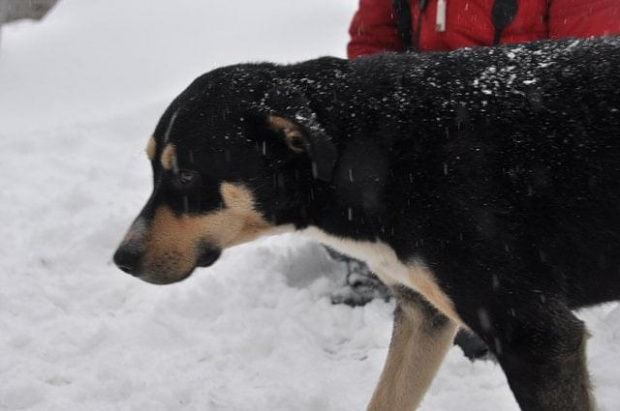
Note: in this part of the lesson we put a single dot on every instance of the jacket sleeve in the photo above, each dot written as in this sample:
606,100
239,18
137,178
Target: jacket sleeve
373,29
580,19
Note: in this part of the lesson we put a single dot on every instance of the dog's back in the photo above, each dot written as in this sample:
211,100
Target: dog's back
492,147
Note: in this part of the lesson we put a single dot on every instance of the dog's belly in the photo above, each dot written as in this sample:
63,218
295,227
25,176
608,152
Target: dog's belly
382,260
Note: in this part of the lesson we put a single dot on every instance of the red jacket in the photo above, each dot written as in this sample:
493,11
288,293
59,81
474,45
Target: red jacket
468,23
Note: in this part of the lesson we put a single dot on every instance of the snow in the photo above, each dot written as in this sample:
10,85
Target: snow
79,96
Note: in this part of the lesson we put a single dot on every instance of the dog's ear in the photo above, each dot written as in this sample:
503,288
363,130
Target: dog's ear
316,144
288,114
292,134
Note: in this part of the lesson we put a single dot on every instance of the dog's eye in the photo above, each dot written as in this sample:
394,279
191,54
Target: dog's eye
186,177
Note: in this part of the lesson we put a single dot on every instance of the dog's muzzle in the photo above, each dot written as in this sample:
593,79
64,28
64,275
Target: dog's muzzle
131,260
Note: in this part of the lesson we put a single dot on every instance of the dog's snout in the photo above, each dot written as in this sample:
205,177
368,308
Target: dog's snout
128,259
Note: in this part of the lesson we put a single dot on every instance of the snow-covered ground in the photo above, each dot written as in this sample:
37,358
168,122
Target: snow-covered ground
79,96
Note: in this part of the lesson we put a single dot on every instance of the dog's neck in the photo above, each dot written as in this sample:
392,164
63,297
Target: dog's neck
353,194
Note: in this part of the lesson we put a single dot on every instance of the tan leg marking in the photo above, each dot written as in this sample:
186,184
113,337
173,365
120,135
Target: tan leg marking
419,342
417,349
423,281
169,158
151,147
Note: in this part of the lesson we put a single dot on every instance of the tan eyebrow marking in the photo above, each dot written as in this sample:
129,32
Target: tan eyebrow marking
169,158
151,147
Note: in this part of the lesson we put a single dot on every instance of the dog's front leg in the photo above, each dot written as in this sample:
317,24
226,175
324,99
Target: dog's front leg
420,340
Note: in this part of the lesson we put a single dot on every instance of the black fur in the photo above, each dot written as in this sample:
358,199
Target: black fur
498,167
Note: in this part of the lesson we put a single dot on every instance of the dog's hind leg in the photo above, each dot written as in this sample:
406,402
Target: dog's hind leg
542,351
420,340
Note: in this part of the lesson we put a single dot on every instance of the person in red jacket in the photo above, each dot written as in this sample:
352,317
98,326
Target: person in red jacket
442,25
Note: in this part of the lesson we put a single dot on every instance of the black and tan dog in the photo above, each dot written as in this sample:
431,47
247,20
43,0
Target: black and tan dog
482,185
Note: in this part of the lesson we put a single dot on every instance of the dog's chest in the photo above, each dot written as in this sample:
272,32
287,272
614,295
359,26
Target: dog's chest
380,257
383,261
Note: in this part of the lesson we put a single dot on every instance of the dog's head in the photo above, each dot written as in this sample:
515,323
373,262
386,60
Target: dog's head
226,158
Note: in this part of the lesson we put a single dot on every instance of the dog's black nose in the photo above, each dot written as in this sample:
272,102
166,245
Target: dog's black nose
127,259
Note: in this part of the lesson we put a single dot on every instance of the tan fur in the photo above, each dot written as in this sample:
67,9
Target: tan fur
292,134
423,281
416,352
151,148
172,242
383,261
572,378
169,158
240,206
